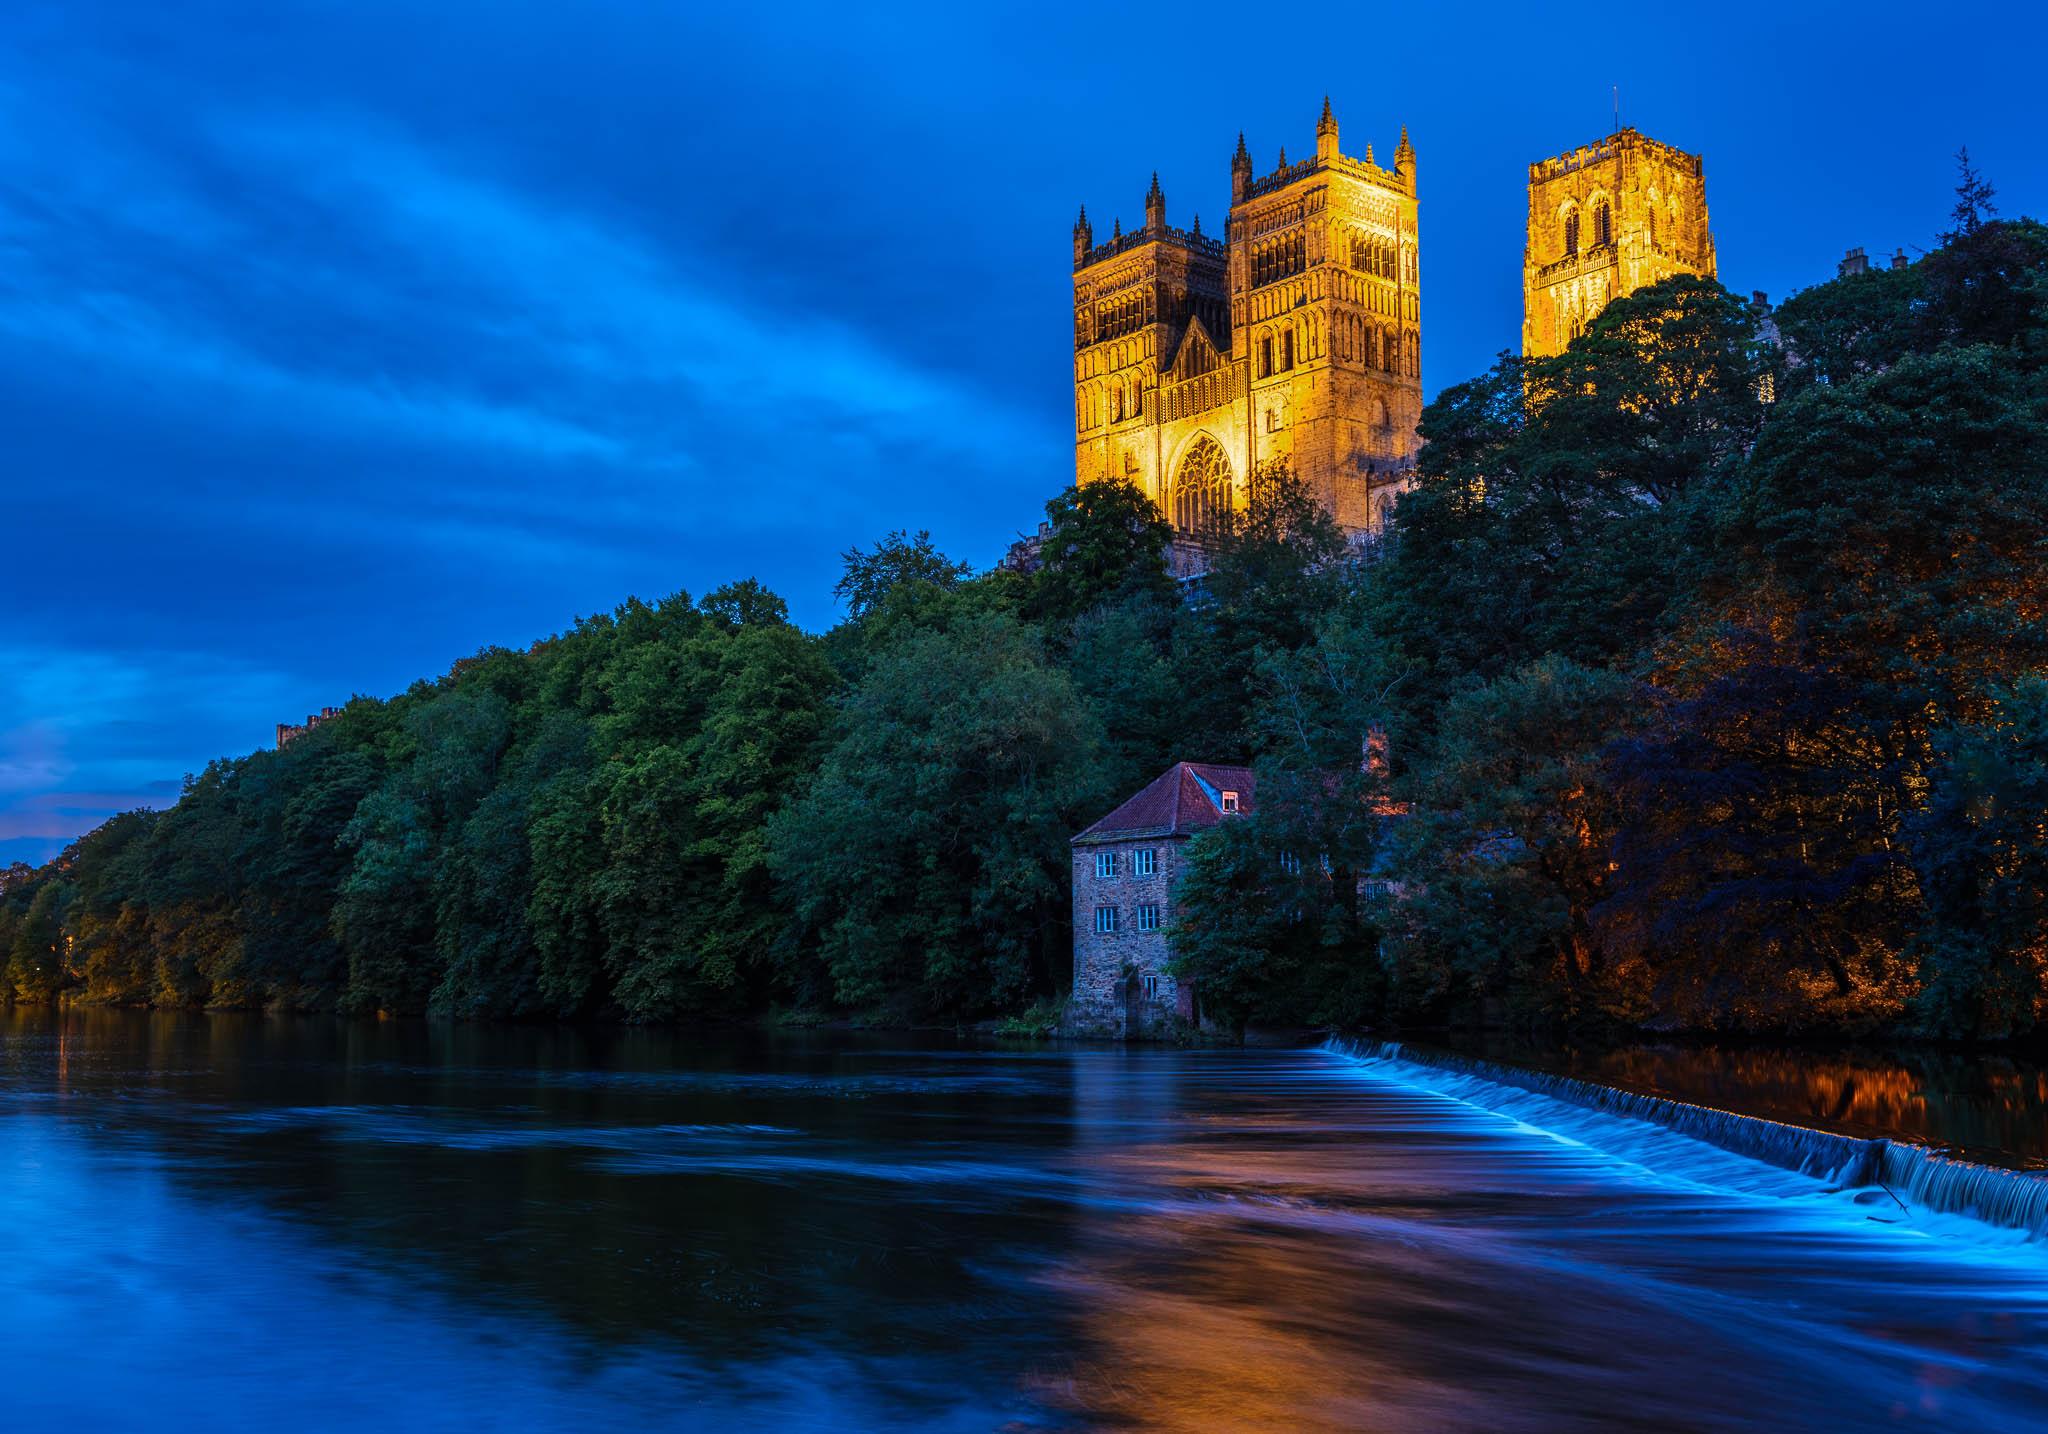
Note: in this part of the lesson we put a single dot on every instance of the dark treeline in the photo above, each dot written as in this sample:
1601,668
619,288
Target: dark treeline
1714,670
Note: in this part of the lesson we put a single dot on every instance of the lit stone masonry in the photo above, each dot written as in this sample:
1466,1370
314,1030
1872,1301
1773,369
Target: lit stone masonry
1605,220
1296,337
1125,867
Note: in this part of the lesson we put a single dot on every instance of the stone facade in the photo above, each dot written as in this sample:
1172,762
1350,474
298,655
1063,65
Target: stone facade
1605,220
1125,869
1295,338
1121,984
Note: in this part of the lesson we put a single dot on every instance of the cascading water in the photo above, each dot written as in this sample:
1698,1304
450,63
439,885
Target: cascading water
1914,1175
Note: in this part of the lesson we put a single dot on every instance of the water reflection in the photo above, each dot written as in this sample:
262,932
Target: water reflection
245,1223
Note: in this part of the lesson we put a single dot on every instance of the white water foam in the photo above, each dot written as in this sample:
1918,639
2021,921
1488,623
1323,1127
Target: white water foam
1921,1181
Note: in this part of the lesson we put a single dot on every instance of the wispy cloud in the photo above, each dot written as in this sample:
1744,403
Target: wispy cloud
302,381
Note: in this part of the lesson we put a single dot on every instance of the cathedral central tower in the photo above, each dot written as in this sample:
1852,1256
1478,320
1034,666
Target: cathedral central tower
1605,220
1296,338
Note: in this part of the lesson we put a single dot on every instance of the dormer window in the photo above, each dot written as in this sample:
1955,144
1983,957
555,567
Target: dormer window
1230,801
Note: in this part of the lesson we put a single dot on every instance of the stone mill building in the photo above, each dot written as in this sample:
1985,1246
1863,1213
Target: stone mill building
1125,867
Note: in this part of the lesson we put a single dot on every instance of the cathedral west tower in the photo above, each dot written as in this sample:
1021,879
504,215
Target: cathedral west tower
1296,337
1605,220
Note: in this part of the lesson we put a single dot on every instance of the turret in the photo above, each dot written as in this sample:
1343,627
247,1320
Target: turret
1404,157
1084,237
1240,171
1155,207
1326,133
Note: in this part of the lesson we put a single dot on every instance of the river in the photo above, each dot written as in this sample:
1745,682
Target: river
241,1222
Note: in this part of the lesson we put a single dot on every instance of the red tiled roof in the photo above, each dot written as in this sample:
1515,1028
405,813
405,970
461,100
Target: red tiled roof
1182,800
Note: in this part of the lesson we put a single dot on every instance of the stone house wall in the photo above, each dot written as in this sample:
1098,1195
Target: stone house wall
1103,1004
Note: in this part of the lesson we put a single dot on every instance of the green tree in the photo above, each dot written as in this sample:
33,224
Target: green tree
1499,874
1982,862
928,855
898,559
36,965
1107,546
1269,918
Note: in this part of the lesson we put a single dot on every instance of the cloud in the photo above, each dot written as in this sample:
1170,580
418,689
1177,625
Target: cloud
385,290
84,736
319,404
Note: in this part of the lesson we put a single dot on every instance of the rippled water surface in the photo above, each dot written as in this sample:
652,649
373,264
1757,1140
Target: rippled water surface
247,1223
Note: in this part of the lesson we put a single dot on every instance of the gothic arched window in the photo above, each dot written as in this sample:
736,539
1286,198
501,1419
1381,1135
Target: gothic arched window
1201,487
1603,225
1571,231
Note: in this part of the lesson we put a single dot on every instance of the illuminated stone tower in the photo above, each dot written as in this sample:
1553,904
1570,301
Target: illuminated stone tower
1604,221
1297,337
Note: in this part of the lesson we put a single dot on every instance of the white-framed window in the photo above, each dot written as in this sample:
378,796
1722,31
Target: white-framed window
1290,863
1151,988
1230,801
1148,917
1105,864
1144,861
1105,919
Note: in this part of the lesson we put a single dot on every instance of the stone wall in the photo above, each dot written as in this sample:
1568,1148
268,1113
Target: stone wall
1103,1004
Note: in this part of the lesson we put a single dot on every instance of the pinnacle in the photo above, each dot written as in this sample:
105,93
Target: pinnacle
1327,117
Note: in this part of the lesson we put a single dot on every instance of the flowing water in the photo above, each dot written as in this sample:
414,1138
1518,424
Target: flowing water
240,1223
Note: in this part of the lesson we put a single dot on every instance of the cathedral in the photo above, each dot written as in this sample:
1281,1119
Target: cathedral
1605,220
1295,337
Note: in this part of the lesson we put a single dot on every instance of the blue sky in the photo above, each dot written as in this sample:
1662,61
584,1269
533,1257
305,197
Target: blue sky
340,340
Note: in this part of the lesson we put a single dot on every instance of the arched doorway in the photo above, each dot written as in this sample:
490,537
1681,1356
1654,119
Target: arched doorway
1202,487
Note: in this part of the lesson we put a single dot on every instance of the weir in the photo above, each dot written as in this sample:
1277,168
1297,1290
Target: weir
1915,1175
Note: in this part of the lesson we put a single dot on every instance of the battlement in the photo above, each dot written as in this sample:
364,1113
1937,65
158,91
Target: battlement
1192,240
1345,164
290,731
1602,150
